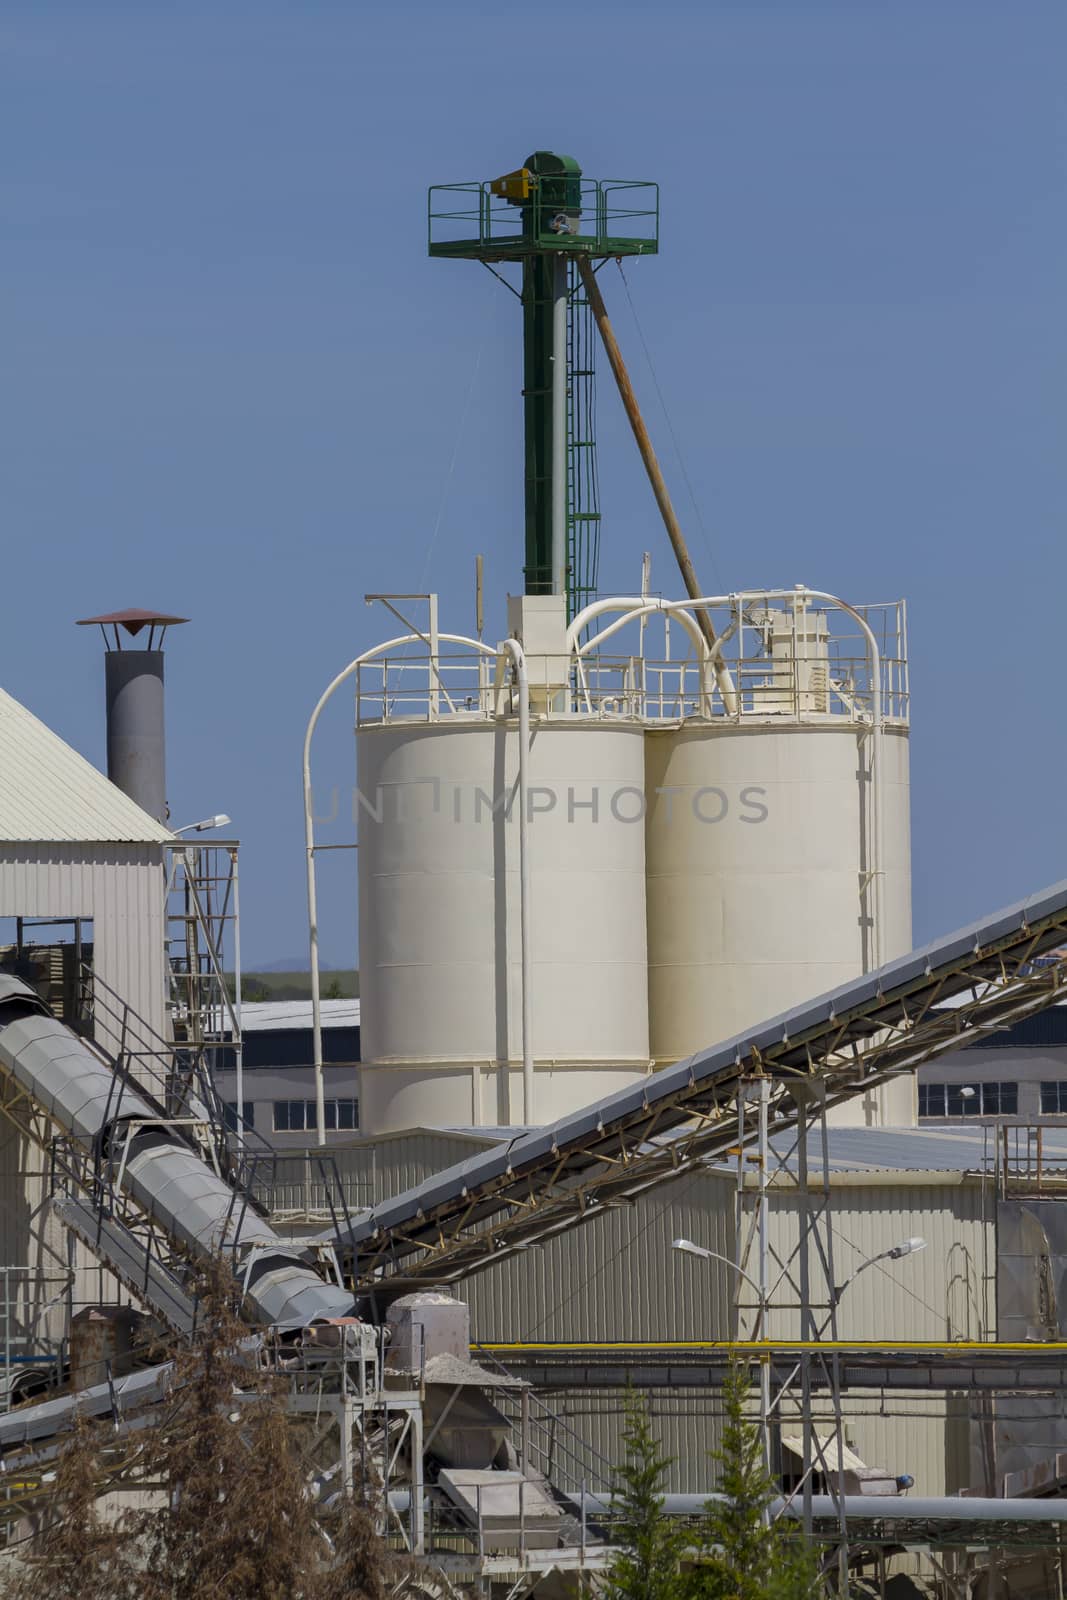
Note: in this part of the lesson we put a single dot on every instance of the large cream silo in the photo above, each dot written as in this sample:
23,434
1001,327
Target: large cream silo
777,837
441,966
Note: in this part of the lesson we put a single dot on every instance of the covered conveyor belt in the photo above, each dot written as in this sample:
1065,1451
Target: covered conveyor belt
1005,967
72,1091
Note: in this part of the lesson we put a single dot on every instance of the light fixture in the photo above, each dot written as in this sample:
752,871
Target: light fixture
906,1247
204,827
691,1249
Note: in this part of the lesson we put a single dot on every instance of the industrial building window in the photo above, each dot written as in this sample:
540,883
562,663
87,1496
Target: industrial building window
999,1099
54,955
299,1116
1054,1099
342,1115
970,1099
293,1116
229,1114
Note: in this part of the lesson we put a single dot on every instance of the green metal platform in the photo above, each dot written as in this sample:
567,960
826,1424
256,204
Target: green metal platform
477,222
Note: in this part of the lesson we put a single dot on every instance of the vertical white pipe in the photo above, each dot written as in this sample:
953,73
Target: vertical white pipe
559,425
515,651
309,839
239,1043
316,1000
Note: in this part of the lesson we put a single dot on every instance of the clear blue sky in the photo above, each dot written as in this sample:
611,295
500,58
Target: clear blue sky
233,382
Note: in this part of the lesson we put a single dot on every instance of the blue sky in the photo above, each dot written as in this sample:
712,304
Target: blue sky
233,383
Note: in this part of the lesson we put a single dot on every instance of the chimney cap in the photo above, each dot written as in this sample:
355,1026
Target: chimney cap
133,620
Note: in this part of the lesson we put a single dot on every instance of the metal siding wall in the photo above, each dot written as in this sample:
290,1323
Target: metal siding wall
400,1163
919,1434
946,1291
686,1427
121,887
31,1237
617,1278
369,1170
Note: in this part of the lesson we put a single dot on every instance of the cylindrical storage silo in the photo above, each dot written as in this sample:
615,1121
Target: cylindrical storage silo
440,956
763,887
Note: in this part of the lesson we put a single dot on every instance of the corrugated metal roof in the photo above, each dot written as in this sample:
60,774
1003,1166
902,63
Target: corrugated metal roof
262,1016
937,1149
51,794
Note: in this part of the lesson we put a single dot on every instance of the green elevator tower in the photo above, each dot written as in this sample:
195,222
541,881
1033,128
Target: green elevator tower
542,217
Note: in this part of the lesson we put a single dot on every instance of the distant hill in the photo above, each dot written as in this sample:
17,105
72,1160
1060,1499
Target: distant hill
293,964
271,984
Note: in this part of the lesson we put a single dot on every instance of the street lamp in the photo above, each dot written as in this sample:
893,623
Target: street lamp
689,1248
895,1252
906,1247
204,827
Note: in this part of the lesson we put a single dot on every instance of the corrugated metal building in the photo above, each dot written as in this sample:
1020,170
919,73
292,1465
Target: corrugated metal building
618,1280
278,1082
72,845
1014,1074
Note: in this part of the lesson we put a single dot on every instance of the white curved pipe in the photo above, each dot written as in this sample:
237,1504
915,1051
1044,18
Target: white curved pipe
309,840
513,648
634,608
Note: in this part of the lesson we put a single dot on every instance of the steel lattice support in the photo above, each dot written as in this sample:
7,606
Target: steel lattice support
808,1270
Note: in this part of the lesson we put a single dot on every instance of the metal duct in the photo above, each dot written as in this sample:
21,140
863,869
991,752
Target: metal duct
136,741
118,1399
864,1507
196,1209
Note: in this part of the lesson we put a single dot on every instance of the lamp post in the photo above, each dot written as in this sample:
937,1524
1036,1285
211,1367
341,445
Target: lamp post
895,1252
688,1247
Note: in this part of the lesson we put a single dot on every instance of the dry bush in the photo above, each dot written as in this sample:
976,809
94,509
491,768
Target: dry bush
238,1522
77,1548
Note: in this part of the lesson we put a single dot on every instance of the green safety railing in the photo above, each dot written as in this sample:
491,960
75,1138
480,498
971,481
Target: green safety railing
617,217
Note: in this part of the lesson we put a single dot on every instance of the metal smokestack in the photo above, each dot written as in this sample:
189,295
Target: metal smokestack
133,678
